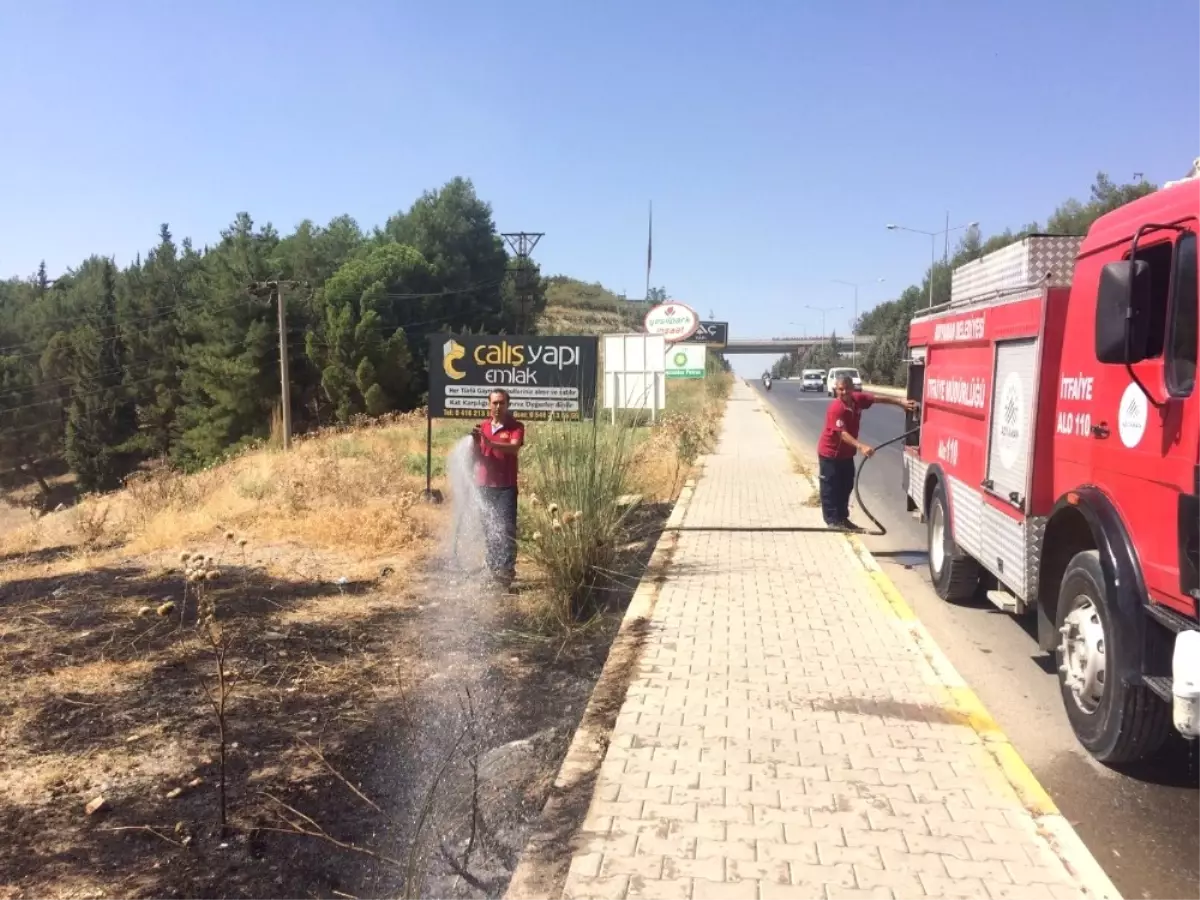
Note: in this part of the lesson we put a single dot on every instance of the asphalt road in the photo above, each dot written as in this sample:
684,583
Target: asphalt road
1142,823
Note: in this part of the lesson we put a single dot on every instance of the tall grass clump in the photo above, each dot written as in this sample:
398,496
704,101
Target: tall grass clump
574,510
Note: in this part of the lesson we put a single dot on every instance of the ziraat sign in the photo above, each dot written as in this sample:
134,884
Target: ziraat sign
674,321
551,376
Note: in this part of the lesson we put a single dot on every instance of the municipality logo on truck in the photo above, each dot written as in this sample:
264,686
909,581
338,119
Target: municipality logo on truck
673,321
1131,418
1012,420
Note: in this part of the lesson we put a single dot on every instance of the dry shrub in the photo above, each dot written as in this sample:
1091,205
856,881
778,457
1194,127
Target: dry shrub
91,524
689,428
573,520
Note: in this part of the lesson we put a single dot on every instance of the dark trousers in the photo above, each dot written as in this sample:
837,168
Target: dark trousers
837,484
500,528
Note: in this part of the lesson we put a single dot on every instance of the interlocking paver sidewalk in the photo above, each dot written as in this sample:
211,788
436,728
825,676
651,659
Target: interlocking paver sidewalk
783,735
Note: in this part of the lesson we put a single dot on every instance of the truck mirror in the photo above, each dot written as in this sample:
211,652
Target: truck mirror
1123,312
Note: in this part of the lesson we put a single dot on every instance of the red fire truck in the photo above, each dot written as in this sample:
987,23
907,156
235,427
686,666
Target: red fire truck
1057,461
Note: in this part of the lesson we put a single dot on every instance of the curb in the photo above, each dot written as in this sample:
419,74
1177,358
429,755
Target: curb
546,858
961,700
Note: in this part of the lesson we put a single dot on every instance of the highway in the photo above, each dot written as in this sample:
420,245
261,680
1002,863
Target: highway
1141,823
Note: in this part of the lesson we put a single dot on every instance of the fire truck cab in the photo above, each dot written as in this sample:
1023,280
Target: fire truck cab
1057,459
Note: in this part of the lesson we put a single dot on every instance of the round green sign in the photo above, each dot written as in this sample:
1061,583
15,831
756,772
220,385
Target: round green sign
680,358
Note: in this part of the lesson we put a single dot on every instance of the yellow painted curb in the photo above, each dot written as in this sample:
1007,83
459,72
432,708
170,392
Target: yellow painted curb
960,699
965,707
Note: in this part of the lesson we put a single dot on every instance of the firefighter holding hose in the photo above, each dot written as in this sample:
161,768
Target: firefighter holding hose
498,439
838,445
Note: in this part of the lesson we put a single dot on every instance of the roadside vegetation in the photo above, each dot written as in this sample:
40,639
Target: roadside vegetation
175,356
242,680
883,362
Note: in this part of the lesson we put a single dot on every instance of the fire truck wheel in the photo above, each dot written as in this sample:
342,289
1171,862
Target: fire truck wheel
1115,720
955,576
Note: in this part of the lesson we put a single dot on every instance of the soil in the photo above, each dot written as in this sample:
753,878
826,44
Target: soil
391,731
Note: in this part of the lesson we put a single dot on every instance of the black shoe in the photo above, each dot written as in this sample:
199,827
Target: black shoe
835,526
850,526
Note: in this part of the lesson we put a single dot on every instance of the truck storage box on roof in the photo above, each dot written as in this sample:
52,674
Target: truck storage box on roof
1058,458
1046,259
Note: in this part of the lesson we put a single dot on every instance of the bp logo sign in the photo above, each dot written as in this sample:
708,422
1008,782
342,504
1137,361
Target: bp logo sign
686,361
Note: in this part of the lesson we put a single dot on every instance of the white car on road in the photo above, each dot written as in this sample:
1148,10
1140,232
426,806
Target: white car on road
834,374
812,380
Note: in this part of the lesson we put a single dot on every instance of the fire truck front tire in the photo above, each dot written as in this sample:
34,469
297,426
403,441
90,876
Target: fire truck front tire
955,575
1113,715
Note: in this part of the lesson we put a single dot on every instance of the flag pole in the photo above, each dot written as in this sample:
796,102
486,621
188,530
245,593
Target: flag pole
649,250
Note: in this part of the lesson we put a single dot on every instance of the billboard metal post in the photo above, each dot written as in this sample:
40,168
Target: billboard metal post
429,495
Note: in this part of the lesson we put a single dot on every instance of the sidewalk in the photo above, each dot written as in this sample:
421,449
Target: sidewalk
785,736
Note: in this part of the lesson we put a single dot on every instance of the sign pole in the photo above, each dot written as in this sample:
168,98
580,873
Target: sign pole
428,495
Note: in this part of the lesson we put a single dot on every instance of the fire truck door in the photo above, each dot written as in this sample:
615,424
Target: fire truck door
1147,458
1011,422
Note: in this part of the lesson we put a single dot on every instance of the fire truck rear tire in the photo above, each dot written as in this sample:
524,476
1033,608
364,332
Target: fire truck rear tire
955,575
1126,721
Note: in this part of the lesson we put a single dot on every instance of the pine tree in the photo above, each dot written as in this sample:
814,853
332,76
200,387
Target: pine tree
230,363
99,417
155,294
360,350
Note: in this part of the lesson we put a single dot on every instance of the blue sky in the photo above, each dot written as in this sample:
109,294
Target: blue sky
776,139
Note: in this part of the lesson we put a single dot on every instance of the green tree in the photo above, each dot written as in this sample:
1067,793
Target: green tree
99,416
360,349
230,380
156,292
888,322
454,232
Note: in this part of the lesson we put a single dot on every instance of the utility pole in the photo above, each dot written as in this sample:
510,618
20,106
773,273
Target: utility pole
933,236
274,290
522,244
854,321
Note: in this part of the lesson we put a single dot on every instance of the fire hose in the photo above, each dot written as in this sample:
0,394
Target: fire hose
858,476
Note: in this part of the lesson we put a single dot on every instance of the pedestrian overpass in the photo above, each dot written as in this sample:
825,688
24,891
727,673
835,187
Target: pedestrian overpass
783,345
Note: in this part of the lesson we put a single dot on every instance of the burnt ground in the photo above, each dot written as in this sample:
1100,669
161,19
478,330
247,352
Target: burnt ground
389,733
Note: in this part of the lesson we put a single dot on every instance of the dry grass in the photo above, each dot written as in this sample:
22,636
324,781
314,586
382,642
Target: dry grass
101,693
354,491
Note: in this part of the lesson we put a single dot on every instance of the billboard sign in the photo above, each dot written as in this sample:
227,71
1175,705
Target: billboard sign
686,360
633,371
674,321
714,334
545,376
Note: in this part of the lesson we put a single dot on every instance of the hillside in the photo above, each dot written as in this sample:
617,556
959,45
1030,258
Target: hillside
577,307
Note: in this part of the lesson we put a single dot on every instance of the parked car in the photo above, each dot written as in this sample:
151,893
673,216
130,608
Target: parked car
835,374
812,380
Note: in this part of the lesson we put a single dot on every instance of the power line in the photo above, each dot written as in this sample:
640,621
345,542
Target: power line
165,311
104,341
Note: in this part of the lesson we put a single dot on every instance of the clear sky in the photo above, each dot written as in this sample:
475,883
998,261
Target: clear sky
776,139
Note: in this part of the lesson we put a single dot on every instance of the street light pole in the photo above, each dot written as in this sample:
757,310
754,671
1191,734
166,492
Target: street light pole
933,236
854,322
822,311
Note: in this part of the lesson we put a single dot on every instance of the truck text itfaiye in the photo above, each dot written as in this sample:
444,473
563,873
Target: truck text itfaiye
1057,460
